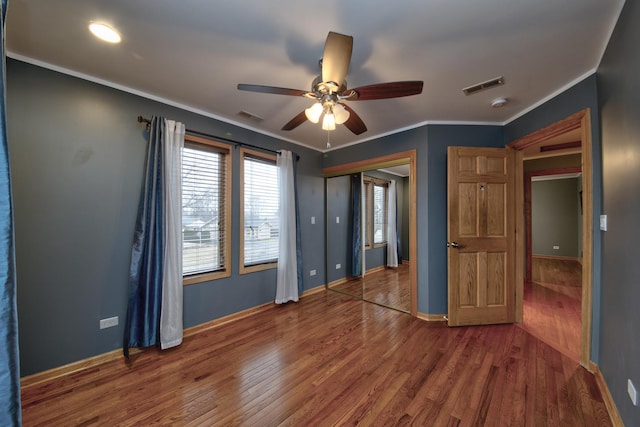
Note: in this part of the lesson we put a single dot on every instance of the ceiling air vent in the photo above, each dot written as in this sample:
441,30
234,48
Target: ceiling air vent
470,90
247,115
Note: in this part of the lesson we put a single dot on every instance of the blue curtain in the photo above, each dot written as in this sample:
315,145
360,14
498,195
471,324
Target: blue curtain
356,232
142,327
298,239
10,412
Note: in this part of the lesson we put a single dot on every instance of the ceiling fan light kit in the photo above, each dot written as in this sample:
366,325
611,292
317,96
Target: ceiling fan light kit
328,122
340,113
314,112
331,112
330,89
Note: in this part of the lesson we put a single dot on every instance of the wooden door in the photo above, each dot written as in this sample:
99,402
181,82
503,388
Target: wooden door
481,238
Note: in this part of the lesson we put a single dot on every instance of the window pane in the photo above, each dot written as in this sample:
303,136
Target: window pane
203,187
379,214
368,215
261,211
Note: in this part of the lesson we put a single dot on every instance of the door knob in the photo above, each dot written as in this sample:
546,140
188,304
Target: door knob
454,245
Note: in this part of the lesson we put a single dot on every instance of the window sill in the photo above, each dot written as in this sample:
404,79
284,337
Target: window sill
205,277
376,246
259,267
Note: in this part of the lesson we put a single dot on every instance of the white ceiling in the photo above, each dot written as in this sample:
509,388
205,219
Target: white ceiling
192,54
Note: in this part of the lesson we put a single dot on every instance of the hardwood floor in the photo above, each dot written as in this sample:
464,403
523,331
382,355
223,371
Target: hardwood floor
329,360
552,304
389,287
560,275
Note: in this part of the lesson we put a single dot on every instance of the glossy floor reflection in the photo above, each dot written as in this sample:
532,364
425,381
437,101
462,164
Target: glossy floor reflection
328,360
552,304
389,287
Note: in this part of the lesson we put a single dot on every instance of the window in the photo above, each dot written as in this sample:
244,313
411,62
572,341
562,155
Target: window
205,210
375,191
260,212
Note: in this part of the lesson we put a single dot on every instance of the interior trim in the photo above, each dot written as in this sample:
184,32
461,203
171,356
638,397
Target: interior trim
612,409
432,317
580,120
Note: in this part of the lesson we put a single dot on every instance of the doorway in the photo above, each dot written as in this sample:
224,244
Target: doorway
553,280
568,136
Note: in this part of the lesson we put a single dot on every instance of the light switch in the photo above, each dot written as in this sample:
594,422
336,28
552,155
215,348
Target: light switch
337,220
313,220
633,393
603,222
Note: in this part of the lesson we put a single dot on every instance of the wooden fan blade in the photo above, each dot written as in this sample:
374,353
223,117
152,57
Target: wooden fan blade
336,58
271,89
385,90
354,123
296,121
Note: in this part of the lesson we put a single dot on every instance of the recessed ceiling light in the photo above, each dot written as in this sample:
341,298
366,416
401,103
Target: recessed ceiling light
104,32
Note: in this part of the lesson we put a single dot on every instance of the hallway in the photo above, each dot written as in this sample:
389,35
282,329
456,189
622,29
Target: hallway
552,304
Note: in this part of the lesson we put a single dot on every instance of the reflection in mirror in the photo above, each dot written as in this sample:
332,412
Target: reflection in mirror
368,237
340,274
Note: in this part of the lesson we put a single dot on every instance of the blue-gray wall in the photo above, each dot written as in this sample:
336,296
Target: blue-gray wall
339,234
431,144
619,95
555,217
77,159
580,96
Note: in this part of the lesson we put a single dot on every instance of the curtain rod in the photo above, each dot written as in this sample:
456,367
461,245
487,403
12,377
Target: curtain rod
208,135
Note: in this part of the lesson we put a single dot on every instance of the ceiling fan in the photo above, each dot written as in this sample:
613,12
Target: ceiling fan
329,90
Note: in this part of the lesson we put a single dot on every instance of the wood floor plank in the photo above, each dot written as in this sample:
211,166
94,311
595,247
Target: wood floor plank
552,304
329,360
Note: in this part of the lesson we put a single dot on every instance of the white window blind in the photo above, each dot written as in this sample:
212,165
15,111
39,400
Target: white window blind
379,214
368,207
375,215
203,209
261,211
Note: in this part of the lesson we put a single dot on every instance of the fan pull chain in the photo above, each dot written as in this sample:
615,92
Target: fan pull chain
328,139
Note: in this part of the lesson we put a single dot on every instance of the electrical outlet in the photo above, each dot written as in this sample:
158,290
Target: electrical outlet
338,266
633,393
109,323
603,222
312,273
337,220
556,247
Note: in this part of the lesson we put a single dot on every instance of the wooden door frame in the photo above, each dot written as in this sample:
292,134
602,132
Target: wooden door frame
580,120
395,159
527,210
